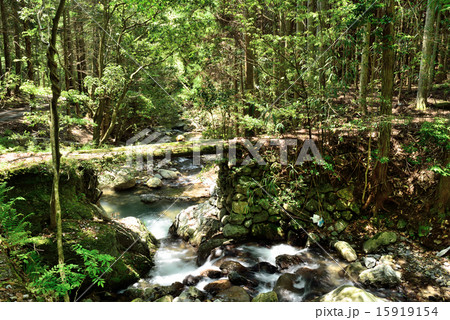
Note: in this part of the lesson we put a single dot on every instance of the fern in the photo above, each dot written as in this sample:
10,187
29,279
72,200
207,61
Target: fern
13,224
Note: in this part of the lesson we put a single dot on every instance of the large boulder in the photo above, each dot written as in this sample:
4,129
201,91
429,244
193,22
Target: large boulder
154,182
349,293
285,261
128,240
168,174
124,180
286,288
229,266
381,239
345,250
196,223
381,275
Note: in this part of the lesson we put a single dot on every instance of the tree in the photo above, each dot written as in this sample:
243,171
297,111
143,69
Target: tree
55,206
6,51
387,85
364,75
427,52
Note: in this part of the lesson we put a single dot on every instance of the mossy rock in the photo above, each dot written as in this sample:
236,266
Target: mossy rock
381,239
346,194
267,231
113,238
78,189
234,231
240,207
270,296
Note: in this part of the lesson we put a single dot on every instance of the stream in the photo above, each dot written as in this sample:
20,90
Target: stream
175,260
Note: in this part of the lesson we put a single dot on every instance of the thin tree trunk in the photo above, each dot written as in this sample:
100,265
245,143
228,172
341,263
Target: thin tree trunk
17,49
435,46
425,63
441,75
443,201
28,51
81,54
387,85
6,51
364,75
55,206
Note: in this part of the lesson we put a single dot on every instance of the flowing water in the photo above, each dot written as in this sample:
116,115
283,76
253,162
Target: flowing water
176,259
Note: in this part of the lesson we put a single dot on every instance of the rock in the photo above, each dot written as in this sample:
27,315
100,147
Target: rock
381,275
212,274
354,269
153,292
190,294
345,250
381,239
239,280
340,226
127,236
154,182
270,296
236,218
205,248
180,137
261,217
285,287
196,223
191,280
240,207
387,259
124,182
217,286
313,240
167,298
349,293
267,231
234,294
264,267
370,262
229,266
345,194
149,198
168,174
234,231
285,261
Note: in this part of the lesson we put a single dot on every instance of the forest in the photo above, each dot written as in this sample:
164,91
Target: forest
150,150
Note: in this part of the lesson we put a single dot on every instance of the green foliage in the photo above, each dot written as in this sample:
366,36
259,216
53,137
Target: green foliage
47,281
437,132
13,224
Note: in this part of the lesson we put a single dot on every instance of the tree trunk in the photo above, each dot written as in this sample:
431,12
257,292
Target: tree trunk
443,201
81,53
6,51
425,63
435,46
364,75
55,206
28,51
387,84
17,49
